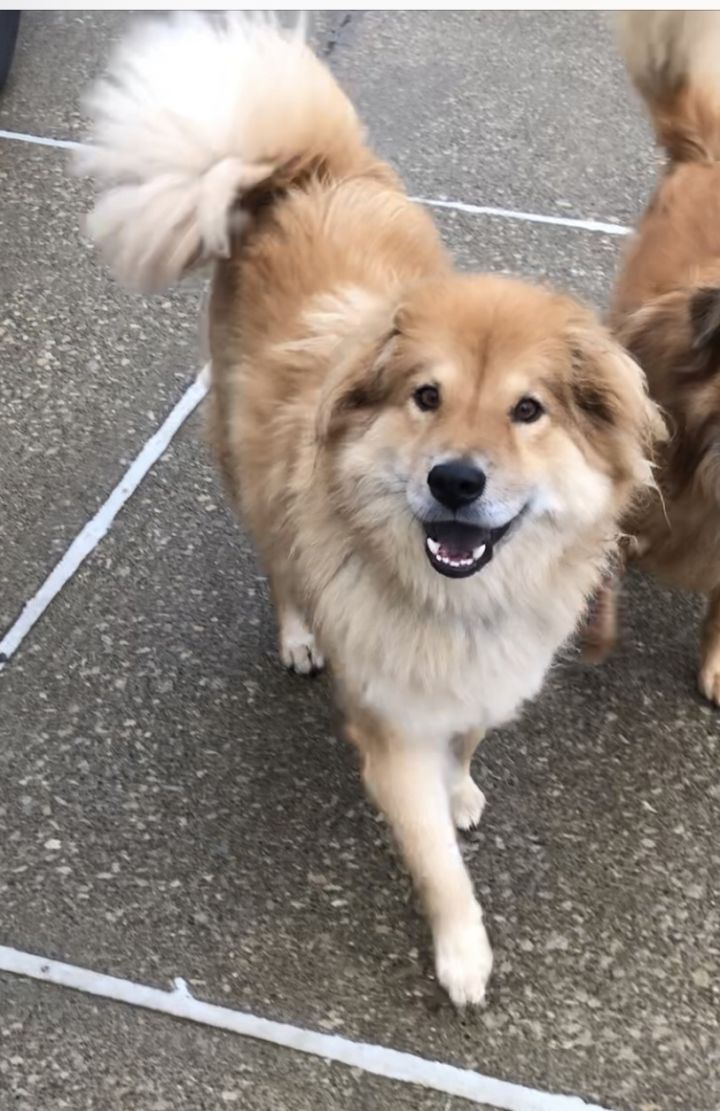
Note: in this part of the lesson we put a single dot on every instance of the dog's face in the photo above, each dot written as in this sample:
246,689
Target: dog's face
486,406
676,338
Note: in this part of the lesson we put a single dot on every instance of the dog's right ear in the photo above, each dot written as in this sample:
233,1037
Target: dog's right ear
610,394
704,309
359,382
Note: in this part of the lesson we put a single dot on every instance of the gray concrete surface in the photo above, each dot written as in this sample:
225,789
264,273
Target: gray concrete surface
174,804
88,370
71,1053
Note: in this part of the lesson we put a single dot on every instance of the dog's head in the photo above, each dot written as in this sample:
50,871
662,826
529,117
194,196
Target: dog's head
477,407
676,338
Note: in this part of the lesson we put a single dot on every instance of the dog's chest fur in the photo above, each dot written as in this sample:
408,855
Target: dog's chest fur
434,675
457,682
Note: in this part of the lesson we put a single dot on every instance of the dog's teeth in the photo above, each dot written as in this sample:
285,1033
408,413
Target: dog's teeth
433,545
477,552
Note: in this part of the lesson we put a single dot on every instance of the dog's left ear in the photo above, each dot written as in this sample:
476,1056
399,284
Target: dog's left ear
610,392
704,309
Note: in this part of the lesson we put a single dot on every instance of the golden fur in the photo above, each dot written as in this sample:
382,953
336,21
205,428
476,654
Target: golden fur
334,305
666,310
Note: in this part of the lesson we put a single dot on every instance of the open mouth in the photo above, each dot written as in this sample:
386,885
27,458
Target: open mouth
458,550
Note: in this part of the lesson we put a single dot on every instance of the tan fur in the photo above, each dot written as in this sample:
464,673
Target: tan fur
666,310
337,302
672,59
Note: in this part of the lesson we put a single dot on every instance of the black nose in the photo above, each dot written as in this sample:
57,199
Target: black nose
456,483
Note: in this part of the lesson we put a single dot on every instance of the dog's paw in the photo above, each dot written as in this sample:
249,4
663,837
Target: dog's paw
709,679
463,962
467,803
298,649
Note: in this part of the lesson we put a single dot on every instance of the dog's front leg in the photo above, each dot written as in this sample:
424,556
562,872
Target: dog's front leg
709,676
408,779
467,801
298,648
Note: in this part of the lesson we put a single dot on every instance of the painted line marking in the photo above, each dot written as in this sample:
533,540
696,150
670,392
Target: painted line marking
458,206
40,140
93,532
529,217
379,1060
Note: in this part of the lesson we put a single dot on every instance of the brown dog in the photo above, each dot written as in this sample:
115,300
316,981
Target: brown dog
667,312
433,466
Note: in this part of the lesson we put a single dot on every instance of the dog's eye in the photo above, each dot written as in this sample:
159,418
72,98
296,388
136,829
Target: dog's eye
527,410
427,398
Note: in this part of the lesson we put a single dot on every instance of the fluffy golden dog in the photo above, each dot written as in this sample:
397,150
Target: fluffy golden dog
432,466
667,312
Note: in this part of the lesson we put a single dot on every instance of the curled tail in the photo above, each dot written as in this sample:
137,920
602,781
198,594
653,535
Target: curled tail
673,58
193,115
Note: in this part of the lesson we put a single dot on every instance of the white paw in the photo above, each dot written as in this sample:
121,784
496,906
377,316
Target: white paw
463,961
298,649
467,803
709,680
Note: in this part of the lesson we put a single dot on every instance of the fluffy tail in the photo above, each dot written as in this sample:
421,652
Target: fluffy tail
192,117
674,61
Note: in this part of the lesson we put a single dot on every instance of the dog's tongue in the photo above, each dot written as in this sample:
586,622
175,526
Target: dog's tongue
456,542
455,536
453,551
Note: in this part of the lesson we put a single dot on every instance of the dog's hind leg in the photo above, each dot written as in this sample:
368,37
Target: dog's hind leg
467,801
407,778
709,675
598,635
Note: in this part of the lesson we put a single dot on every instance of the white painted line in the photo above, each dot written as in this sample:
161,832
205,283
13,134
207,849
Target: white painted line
39,140
388,1063
91,535
458,206
529,217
